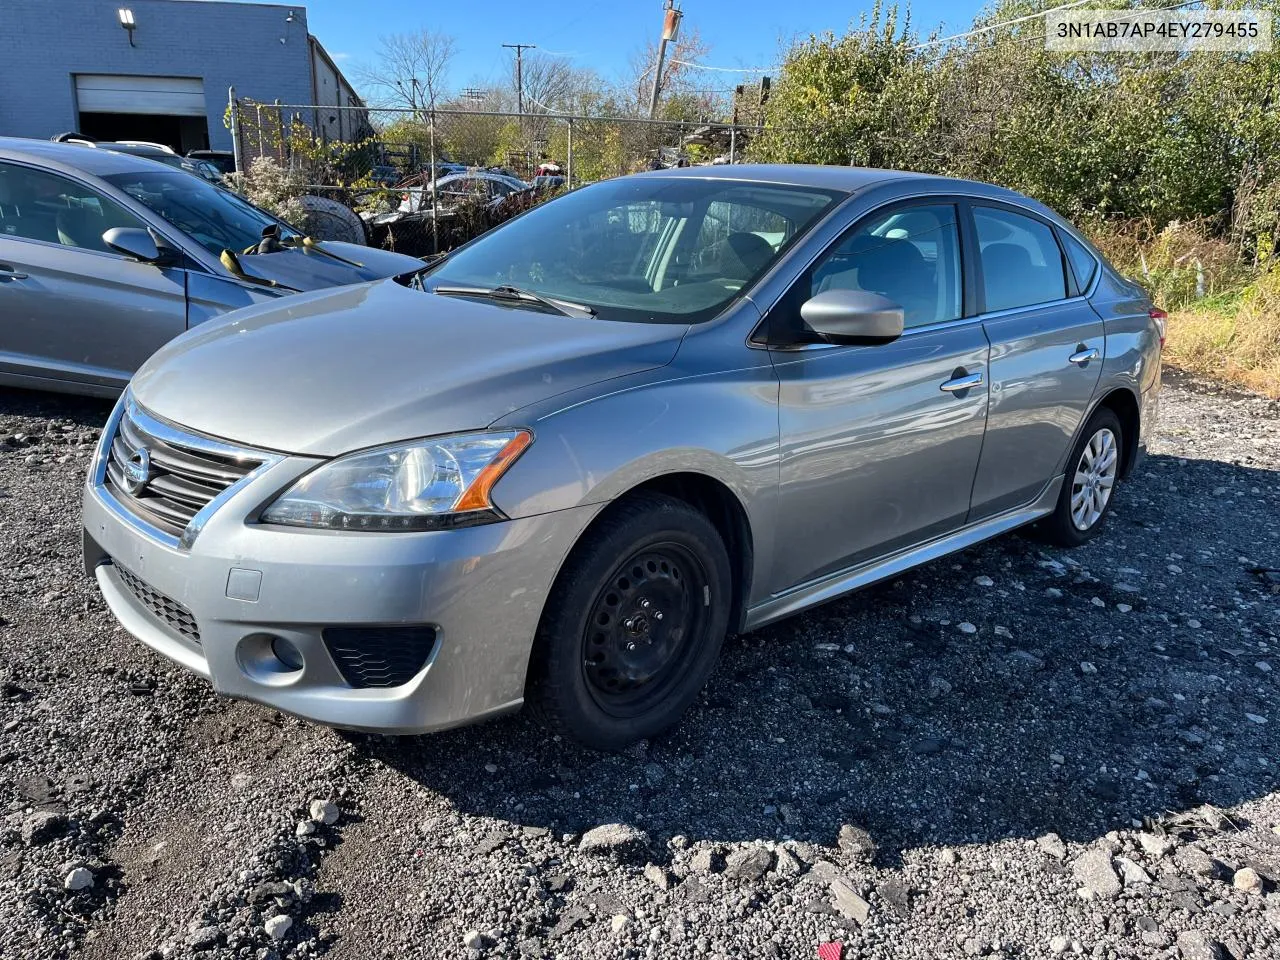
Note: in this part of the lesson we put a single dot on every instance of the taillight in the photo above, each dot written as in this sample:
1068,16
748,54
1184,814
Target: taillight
1162,322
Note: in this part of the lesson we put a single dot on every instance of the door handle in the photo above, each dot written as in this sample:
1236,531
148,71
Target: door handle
8,273
960,384
1083,355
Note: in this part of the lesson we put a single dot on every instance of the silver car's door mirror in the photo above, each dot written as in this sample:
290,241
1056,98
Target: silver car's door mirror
853,316
136,243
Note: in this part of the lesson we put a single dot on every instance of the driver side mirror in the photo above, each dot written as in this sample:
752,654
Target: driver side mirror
138,244
853,317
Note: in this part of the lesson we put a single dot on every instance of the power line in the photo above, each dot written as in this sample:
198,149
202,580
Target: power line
996,26
1119,17
703,66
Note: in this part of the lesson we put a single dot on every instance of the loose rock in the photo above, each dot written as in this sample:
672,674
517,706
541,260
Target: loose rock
81,878
1248,880
324,811
1053,846
277,927
856,843
613,838
848,902
749,864
1094,871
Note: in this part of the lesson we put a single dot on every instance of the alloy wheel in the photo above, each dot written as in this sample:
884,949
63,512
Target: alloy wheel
1095,477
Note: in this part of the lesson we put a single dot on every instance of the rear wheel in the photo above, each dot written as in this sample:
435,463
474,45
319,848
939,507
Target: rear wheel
634,624
1093,469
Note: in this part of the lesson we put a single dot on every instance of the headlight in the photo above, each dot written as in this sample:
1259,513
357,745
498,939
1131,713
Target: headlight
423,485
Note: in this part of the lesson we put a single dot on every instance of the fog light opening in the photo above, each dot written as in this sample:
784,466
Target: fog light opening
270,659
288,655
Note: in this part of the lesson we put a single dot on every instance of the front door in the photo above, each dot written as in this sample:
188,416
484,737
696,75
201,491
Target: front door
879,444
1046,357
71,309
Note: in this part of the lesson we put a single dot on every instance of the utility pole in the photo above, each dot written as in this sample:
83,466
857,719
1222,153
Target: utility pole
520,48
670,29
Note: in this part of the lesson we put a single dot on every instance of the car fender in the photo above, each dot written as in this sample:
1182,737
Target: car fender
595,446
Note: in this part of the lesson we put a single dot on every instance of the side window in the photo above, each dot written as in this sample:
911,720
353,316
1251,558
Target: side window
1083,263
1021,261
910,255
38,205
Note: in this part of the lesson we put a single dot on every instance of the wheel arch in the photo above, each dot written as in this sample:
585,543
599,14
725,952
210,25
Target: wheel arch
1124,404
726,512
717,501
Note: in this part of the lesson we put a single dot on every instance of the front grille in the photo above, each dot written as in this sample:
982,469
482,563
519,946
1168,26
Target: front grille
379,656
170,611
184,475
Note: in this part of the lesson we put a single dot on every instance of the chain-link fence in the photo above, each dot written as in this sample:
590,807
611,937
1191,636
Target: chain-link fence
423,181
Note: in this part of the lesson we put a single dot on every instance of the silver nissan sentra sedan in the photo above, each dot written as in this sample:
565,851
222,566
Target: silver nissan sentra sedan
562,463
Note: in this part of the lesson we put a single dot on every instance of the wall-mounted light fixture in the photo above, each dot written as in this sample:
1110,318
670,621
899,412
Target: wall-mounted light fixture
126,21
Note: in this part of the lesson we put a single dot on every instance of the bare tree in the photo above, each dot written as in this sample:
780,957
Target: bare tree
548,83
678,77
411,70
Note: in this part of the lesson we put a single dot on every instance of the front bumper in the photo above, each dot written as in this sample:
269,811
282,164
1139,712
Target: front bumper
481,588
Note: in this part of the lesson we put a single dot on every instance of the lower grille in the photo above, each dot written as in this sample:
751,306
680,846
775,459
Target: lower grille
379,656
173,613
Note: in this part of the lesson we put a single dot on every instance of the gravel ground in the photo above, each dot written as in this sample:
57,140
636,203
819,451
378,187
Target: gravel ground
1014,752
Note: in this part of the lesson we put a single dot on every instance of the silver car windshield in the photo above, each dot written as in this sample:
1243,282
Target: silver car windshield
650,249
215,218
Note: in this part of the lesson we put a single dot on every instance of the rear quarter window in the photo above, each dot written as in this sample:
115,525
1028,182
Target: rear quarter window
1083,263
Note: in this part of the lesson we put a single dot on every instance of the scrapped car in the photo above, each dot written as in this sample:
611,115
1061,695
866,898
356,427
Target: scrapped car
104,257
457,188
562,463
224,161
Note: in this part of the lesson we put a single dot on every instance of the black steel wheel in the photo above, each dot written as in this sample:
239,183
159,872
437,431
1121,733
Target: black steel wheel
643,628
626,644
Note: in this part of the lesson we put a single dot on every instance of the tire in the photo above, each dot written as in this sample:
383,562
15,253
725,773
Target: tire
1082,507
634,623
330,220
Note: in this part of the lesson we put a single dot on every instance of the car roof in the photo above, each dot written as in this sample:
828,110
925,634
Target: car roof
850,179
100,162
136,149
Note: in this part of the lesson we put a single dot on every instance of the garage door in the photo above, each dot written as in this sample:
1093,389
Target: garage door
172,96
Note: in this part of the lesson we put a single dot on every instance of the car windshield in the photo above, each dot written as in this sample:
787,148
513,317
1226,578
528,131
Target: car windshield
648,249
215,218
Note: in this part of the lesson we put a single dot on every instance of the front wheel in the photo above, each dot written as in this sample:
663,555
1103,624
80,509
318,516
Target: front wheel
634,624
1093,470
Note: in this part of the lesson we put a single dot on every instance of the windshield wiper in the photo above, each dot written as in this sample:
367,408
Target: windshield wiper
518,295
232,263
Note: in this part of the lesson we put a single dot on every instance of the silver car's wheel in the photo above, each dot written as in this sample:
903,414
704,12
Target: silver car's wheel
1095,477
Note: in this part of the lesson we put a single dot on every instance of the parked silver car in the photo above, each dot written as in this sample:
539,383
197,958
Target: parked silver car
104,257
561,464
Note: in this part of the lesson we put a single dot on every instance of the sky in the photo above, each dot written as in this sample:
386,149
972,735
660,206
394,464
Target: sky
598,34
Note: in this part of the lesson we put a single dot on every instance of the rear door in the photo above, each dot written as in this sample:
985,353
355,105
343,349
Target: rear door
71,309
879,443
1046,355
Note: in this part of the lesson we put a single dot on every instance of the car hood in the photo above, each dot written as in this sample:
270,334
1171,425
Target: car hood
311,270
326,373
